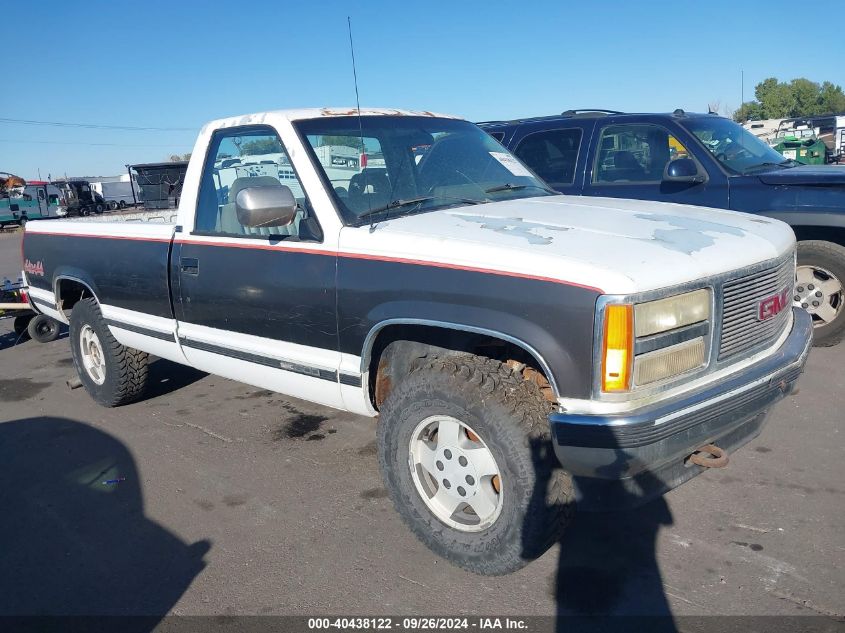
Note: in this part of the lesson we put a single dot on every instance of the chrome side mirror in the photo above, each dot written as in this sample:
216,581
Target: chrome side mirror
259,207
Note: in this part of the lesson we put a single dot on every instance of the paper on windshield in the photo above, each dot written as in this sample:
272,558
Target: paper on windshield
511,164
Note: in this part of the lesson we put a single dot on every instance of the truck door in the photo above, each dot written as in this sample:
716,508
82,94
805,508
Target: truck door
43,204
256,304
628,161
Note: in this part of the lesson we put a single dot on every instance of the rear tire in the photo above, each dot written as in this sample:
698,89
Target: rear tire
121,204
112,205
43,329
821,280
113,374
499,412
99,208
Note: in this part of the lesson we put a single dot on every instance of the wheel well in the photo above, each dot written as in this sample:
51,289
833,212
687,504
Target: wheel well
397,346
833,234
69,292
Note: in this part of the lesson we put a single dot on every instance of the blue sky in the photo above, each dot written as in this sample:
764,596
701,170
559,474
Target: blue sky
178,64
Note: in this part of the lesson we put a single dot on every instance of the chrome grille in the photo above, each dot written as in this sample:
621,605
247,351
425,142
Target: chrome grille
741,327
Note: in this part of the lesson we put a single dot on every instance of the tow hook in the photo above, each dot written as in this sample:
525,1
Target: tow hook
710,456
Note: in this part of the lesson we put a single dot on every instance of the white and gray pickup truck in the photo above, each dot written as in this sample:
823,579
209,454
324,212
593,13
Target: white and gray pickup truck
525,352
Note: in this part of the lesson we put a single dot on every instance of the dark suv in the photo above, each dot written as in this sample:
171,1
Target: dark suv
699,159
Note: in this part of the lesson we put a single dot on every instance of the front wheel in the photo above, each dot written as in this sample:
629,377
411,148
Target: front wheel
819,289
465,453
43,329
113,374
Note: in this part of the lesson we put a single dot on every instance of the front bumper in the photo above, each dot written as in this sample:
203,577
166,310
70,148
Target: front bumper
621,461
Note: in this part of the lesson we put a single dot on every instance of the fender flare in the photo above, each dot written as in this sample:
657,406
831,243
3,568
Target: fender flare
77,276
372,335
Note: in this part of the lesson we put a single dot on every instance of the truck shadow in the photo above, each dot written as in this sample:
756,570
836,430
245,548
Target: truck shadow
166,377
608,576
76,539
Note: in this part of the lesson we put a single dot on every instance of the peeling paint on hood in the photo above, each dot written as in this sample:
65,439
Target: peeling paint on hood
621,246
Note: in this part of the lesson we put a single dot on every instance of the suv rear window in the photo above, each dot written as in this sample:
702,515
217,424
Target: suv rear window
552,154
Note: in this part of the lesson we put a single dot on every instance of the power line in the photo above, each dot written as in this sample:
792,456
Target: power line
95,126
9,140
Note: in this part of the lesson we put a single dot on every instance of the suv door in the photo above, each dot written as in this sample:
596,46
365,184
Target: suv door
557,155
629,160
256,304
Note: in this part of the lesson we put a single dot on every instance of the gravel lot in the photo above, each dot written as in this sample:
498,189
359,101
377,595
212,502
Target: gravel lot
230,500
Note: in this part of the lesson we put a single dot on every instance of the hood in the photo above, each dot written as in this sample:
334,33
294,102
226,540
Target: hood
819,175
616,246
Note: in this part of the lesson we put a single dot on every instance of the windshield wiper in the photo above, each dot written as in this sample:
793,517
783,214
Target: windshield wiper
510,187
789,162
394,204
399,203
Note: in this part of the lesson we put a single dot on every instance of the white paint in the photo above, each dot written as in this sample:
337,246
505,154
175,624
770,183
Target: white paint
159,347
288,382
619,246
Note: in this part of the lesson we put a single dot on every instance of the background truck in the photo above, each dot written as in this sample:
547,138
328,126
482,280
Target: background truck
699,159
525,352
80,198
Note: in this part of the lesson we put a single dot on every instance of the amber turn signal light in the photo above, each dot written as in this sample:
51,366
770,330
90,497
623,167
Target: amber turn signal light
617,347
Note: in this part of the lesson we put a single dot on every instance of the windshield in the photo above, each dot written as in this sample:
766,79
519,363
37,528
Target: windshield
737,149
384,166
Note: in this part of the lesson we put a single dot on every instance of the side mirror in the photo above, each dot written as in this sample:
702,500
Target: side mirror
683,170
265,206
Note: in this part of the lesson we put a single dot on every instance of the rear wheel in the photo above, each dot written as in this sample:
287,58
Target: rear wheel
43,328
820,289
23,221
112,205
122,204
99,207
112,373
466,455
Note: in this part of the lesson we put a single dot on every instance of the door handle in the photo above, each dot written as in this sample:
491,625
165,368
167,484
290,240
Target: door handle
190,265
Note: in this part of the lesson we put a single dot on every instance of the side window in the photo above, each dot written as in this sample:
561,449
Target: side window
553,155
357,172
41,194
53,199
635,153
238,159
499,136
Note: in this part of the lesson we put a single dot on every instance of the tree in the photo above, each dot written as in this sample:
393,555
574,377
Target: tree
800,97
176,158
261,146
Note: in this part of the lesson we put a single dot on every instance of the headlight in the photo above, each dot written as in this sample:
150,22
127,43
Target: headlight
672,312
648,342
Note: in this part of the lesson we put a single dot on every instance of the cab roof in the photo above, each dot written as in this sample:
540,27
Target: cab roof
299,114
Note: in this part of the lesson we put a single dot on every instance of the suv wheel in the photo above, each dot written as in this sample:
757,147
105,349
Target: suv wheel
113,374
820,289
466,455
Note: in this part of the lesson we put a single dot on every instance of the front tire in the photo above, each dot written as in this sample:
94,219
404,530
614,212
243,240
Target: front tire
820,289
113,374
43,329
466,455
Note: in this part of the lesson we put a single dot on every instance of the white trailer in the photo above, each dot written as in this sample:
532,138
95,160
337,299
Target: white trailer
116,194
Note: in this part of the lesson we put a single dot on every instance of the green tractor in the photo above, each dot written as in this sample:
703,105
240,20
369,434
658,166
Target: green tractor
798,140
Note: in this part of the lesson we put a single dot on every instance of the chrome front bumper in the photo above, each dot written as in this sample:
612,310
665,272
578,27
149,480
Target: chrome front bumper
624,460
